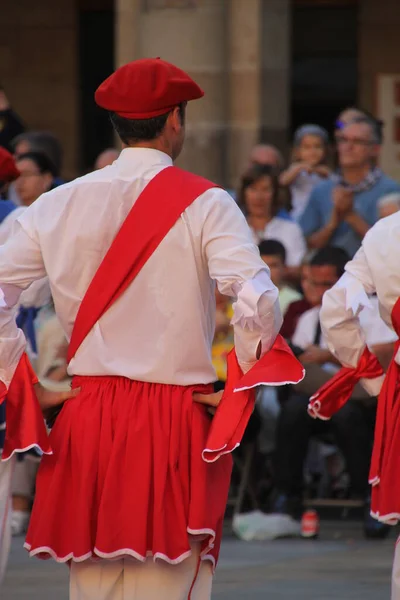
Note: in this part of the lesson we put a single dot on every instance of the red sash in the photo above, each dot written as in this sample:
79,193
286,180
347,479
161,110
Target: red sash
165,198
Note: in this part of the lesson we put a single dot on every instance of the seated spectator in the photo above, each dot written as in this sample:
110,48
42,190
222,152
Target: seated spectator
309,166
51,366
8,173
273,254
259,199
10,123
43,142
106,158
294,311
352,426
342,209
223,338
388,205
37,175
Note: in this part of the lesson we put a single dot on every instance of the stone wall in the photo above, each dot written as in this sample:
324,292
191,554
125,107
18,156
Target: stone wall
38,67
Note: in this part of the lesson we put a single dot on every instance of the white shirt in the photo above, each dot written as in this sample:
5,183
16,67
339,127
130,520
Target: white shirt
306,329
38,294
374,269
289,234
161,329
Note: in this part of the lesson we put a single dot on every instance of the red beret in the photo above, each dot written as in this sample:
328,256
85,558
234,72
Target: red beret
8,169
146,88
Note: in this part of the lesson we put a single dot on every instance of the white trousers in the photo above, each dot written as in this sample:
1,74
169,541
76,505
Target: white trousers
127,579
6,472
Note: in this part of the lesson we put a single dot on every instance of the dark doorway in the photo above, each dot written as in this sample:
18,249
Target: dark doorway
96,62
324,60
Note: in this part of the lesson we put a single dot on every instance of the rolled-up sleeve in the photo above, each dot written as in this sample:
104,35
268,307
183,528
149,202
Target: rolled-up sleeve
20,264
339,316
235,264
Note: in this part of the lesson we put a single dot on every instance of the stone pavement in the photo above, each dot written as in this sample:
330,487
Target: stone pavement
341,564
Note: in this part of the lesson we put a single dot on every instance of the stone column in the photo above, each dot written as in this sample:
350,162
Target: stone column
244,82
127,23
275,79
190,34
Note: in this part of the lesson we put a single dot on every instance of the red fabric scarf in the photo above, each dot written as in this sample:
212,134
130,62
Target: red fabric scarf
335,393
165,198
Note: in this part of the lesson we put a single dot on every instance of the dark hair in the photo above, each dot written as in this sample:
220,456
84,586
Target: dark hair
45,143
255,173
132,131
272,248
375,125
42,162
332,256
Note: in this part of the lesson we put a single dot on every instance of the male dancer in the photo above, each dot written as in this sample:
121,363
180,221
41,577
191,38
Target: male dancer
135,490
374,269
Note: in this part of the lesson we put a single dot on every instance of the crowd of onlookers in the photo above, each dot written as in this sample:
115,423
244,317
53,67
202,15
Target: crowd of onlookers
308,218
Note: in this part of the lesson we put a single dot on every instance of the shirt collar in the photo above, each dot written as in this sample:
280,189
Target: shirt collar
142,158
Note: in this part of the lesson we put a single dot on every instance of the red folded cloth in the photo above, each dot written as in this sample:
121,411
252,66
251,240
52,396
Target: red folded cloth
25,426
334,393
277,367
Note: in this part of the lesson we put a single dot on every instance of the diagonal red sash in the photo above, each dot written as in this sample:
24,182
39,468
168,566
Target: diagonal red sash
154,213
165,198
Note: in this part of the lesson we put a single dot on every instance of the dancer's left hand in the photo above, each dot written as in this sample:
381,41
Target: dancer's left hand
209,400
49,400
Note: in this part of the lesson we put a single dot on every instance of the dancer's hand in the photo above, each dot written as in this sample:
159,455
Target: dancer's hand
51,403
210,400
49,400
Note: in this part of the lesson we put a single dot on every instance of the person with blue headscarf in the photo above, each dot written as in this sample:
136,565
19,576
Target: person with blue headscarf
309,166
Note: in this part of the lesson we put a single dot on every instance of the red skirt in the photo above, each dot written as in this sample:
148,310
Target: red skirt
127,478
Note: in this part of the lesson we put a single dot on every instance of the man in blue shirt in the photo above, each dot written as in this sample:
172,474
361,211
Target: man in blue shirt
341,210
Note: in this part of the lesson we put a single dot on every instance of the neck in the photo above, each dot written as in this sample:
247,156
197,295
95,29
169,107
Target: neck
354,175
258,222
157,144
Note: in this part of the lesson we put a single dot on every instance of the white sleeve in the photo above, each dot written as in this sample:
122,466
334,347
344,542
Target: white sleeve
295,247
9,225
339,316
20,264
235,264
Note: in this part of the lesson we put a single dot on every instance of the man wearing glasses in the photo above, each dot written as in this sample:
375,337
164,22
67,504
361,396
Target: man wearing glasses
342,209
